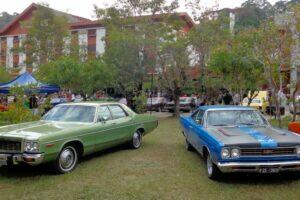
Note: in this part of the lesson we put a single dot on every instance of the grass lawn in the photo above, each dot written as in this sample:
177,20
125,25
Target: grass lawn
160,169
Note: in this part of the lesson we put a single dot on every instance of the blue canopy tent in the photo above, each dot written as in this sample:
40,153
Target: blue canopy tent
26,79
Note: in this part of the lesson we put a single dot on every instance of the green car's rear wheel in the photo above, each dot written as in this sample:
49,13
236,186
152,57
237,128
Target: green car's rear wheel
66,160
136,140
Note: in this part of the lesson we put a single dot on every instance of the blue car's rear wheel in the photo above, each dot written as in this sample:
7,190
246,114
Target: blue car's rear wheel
188,145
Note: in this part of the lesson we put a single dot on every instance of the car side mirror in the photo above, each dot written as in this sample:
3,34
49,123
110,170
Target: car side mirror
103,119
199,121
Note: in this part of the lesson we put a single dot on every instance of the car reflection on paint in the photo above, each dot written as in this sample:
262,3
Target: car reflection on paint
239,139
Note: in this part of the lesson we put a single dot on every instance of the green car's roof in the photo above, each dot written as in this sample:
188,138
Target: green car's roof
91,103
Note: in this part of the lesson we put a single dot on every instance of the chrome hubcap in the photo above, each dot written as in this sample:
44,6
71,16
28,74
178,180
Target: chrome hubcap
67,158
136,140
209,165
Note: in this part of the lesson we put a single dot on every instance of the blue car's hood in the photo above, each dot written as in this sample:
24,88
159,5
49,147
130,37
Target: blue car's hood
255,136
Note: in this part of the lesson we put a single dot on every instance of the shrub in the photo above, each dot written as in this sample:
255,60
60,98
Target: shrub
17,114
140,103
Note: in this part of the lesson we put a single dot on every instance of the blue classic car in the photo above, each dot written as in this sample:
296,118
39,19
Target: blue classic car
239,139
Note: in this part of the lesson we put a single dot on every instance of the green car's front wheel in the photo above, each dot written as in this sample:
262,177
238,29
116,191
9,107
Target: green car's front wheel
66,160
136,140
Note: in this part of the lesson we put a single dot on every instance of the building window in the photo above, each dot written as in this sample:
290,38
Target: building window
91,43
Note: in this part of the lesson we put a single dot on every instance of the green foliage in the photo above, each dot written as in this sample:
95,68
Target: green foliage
140,103
71,74
252,13
47,32
4,75
17,113
65,72
235,65
5,18
97,76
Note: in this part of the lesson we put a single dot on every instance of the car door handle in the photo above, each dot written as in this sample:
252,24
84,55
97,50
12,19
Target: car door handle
191,127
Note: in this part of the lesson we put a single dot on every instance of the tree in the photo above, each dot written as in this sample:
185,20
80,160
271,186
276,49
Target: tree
126,44
252,13
206,36
236,68
97,76
139,45
173,59
4,75
5,18
67,72
46,35
272,50
71,74
295,24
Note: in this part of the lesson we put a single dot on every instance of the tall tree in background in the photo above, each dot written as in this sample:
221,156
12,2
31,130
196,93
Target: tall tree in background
236,68
5,18
252,13
141,45
272,50
46,34
203,38
125,50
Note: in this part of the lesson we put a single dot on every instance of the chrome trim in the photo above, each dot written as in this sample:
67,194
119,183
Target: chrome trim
281,165
38,158
18,158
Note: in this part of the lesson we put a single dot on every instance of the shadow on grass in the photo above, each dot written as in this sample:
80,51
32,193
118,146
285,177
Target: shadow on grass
260,179
25,171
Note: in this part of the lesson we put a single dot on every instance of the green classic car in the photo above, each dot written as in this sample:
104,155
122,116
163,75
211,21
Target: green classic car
70,131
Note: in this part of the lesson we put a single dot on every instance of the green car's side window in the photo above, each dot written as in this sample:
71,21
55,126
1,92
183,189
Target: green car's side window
104,114
117,112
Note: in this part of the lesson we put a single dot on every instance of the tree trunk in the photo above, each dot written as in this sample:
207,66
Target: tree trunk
294,101
176,97
277,105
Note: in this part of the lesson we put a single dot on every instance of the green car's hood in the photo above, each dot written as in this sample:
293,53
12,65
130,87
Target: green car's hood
34,130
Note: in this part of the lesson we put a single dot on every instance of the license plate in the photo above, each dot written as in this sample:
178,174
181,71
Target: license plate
3,159
268,170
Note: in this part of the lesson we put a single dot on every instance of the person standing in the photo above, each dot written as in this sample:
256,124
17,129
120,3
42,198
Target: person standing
33,104
227,98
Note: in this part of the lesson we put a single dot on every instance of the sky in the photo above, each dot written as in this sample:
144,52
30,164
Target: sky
85,8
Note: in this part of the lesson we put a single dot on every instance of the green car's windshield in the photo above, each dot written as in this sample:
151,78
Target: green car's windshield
71,113
235,118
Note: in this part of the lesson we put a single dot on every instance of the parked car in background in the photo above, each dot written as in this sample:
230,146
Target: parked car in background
186,104
56,101
239,139
156,103
259,102
71,130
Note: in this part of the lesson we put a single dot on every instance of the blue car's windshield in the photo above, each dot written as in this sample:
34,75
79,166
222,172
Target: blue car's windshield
71,113
234,118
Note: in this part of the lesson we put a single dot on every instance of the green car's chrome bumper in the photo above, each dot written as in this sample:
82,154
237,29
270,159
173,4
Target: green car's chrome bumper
31,159
260,167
